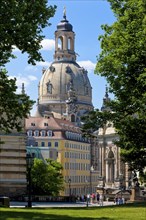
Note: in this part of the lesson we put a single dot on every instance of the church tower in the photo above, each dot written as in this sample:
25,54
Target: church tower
64,89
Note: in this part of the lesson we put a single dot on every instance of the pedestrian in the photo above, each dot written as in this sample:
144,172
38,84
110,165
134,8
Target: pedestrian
123,200
101,200
116,200
97,198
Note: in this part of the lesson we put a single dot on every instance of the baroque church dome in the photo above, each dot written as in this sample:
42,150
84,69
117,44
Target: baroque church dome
64,89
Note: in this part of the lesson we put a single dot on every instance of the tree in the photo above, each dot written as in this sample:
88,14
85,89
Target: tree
122,62
14,107
22,23
21,26
47,177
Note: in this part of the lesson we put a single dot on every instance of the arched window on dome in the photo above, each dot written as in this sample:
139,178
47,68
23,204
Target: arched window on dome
49,87
70,43
72,118
60,43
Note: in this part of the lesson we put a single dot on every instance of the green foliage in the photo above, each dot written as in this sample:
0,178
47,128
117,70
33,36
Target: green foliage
122,62
142,178
13,107
93,121
47,177
22,23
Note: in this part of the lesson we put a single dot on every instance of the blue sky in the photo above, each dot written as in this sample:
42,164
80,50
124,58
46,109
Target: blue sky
86,18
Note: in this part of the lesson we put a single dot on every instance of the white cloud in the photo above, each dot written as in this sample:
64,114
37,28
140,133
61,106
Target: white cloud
48,44
27,80
32,78
31,68
88,65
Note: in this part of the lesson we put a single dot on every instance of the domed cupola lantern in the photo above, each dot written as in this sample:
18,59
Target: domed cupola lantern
64,41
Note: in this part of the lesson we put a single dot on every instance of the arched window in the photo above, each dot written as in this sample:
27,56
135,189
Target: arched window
72,118
60,43
43,133
70,43
29,133
36,133
49,133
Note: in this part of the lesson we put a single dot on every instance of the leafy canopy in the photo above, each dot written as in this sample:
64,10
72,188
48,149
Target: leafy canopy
21,25
47,177
22,22
13,107
122,62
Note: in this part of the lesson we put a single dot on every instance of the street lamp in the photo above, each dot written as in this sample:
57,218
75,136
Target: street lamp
91,170
29,160
87,193
69,184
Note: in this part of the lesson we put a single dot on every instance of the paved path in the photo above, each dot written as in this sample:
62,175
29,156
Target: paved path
58,204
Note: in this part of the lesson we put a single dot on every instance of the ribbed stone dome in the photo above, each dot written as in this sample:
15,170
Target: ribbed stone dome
59,75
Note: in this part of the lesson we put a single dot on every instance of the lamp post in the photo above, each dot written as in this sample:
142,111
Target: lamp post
91,170
87,193
69,185
29,160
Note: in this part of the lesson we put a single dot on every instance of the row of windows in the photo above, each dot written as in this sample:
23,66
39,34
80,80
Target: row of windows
38,133
79,191
75,136
77,155
77,166
48,144
81,179
77,146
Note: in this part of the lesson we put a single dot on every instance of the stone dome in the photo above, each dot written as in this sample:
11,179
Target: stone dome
64,87
58,77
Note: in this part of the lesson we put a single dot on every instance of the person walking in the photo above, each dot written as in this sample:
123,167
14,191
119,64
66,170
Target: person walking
101,200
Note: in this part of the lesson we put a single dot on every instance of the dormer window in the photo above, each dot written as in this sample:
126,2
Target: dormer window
29,133
49,133
43,133
45,124
36,133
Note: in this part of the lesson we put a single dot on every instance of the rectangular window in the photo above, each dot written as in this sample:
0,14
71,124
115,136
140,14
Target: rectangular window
43,144
49,144
36,144
56,144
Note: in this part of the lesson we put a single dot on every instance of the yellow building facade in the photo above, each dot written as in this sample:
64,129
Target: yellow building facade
61,140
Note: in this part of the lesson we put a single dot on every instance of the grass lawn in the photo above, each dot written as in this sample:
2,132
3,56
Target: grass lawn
123,212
